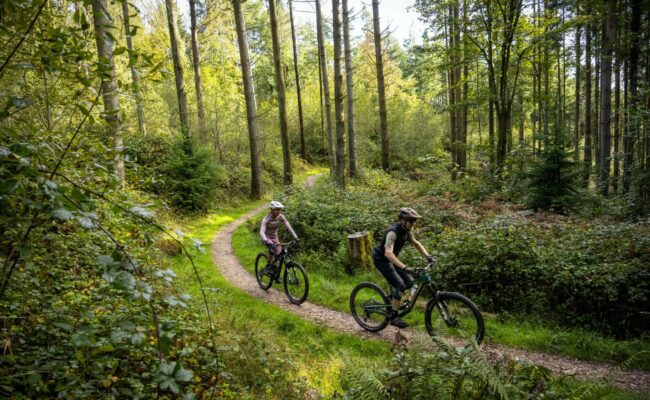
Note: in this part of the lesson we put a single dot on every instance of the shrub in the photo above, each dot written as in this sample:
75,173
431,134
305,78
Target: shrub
595,278
552,183
191,176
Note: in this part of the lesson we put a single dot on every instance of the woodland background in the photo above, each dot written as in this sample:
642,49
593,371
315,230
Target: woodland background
520,130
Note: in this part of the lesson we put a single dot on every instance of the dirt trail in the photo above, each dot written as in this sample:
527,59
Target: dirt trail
223,256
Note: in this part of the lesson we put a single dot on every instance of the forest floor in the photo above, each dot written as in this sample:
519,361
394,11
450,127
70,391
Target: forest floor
224,258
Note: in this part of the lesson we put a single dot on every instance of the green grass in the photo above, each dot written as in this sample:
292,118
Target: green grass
332,290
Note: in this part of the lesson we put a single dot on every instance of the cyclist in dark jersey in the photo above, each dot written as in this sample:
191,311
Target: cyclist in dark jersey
385,258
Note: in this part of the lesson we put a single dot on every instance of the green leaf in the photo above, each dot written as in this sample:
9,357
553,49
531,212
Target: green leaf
8,186
22,149
85,222
106,348
167,368
119,50
142,212
184,375
123,281
137,338
105,261
62,214
66,327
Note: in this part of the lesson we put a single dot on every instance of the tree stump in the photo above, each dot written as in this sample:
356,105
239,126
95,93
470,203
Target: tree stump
359,249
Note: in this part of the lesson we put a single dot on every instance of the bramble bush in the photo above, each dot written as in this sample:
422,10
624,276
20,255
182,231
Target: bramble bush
591,277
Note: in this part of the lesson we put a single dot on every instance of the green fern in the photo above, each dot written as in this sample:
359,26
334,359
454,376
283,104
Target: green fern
364,385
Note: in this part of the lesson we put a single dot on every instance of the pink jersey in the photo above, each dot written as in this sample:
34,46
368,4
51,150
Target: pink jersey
270,225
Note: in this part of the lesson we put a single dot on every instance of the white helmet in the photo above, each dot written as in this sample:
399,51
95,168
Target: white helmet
275,205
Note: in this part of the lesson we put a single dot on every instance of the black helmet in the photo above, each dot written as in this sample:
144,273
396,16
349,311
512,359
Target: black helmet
408,213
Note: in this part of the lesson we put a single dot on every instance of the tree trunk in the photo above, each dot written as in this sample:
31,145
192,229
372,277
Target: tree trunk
462,160
360,249
251,106
352,140
586,160
604,133
617,117
303,151
178,68
282,100
338,97
381,89
633,124
576,127
106,66
196,61
596,118
450,39
135,74
331,150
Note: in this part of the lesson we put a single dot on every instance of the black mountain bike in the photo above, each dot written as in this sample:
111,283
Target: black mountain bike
455,316
296,284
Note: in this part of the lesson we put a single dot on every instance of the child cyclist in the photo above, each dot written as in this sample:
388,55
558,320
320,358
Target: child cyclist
269,233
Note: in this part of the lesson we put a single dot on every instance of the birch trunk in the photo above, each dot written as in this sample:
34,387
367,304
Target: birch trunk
105,47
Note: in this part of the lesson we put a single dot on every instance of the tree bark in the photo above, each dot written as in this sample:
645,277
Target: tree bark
360,249
196,61
105,47
604,133
303,151
181,94
633,125
331,150
617,117
586,160
352,140
381,89
338,97
135,74
251,106
576,127
282,99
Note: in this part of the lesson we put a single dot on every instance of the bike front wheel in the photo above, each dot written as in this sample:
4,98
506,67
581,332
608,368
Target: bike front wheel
370,306
296,283
457,319
263,271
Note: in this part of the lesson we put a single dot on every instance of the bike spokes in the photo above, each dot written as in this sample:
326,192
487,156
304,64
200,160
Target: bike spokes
263,271
370,307
456,318
296,284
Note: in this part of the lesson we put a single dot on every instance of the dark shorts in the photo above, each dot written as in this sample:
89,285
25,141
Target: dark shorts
396,277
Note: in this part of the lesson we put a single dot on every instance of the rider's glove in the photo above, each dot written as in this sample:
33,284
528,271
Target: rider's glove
431,259
407,269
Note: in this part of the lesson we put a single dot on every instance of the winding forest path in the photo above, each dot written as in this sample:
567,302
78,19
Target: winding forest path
223,256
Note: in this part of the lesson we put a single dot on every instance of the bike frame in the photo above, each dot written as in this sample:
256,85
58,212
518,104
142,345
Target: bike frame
424,280
286,256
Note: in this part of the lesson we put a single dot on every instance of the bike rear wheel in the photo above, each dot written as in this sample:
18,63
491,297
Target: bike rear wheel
296,284
370,306
456,318
263,271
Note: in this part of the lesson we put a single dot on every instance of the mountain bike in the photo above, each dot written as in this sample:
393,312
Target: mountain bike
455,316
296,283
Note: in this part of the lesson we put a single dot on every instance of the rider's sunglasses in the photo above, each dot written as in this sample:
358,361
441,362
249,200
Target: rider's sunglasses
411,220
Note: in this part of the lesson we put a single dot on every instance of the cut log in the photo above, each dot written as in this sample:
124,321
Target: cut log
359,249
